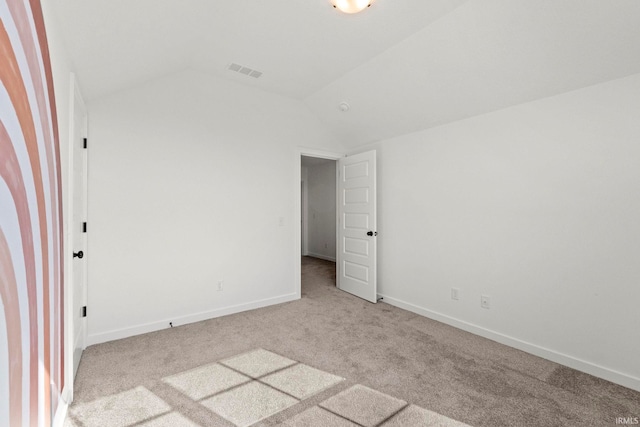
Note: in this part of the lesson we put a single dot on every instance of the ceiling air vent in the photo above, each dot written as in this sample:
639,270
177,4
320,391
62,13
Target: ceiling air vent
244,70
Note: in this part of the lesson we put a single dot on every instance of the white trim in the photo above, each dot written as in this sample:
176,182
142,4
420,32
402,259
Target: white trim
563,359
324,257
67,258
297,236
117,334
76,101
304,201
320,154
61,412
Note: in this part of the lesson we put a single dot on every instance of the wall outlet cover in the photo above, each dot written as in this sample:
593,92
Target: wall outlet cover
485,301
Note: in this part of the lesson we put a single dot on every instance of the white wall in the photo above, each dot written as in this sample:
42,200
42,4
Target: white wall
321,212
192,181
538,207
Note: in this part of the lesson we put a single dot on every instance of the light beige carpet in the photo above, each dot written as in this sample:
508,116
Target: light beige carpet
438,371
247,388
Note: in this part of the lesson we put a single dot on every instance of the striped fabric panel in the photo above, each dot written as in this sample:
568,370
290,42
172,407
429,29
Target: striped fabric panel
31,265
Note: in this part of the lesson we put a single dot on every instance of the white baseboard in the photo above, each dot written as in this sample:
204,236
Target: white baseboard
324,257
191,318
563,359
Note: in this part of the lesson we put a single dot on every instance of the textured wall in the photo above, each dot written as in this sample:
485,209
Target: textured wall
31,322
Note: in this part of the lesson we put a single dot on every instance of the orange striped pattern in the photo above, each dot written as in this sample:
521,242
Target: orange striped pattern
31,273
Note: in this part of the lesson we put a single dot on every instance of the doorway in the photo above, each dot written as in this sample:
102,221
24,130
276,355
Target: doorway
318,229
302,248
354,221
318,201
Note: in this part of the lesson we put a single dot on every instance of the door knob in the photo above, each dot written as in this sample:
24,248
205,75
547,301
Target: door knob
372,233
78,254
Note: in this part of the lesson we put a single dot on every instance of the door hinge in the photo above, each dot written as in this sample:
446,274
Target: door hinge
84,143
84,227
84,311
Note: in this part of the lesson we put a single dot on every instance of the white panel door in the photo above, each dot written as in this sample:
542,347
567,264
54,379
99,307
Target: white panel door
357,225
78,235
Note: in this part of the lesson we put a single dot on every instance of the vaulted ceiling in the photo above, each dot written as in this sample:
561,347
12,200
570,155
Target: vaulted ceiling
402,65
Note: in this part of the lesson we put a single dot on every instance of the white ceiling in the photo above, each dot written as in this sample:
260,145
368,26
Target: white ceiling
299,45
403,65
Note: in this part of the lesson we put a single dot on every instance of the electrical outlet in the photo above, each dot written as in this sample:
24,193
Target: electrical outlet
485,301
220,285
455,294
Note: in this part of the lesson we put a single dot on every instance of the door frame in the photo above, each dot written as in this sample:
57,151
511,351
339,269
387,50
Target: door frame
75,96
304,229
297,215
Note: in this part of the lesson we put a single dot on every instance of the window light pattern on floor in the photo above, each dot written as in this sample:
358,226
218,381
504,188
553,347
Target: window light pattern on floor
250,387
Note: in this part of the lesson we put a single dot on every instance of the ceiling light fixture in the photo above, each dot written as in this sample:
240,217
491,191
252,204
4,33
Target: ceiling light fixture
351,6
